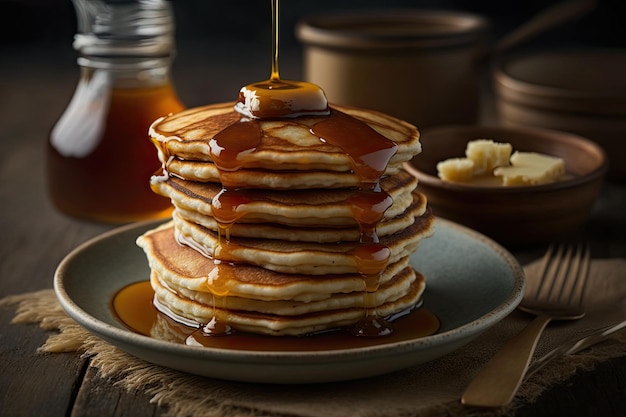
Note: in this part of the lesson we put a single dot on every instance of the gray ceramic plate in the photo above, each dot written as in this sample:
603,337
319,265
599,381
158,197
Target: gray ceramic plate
472,283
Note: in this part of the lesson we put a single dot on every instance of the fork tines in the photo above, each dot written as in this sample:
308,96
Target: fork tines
565,268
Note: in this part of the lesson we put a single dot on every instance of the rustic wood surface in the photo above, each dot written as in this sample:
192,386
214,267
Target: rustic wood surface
36,82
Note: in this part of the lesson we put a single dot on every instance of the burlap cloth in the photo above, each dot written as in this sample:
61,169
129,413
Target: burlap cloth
432,389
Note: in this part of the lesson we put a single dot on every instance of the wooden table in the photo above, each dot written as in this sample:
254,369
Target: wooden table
36,81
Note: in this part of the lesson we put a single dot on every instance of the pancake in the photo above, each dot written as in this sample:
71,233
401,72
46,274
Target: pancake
289,155
181,266
188,311
261,301
388,291
321,233
296,256
262,178
286,226
312,207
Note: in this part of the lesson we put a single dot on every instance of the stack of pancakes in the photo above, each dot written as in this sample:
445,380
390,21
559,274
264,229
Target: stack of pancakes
273,245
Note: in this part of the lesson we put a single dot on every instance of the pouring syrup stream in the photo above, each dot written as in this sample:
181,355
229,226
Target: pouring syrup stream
232,147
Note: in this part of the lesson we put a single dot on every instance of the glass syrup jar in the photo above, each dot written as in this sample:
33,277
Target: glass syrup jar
99,156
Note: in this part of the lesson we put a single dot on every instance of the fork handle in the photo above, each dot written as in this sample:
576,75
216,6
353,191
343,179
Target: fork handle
498,381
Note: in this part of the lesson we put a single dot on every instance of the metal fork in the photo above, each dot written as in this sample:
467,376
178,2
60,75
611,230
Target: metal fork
575,346
556,294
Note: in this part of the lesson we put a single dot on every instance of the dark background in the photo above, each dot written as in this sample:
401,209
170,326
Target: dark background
26,20
211,33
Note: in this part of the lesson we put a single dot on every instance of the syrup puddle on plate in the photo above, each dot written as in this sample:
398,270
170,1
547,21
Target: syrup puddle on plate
133,307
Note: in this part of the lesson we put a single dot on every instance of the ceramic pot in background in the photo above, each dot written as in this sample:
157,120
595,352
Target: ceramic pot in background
423,66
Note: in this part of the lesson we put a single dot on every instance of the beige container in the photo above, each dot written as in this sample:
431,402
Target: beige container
579,91
422,66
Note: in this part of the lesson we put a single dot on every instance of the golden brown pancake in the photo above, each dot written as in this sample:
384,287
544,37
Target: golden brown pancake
187,267
289,156
297,257
185,310
258,300
313,231
310,208
281,236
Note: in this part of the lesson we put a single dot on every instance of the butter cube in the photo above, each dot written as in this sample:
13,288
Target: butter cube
530,168
456,169
488,155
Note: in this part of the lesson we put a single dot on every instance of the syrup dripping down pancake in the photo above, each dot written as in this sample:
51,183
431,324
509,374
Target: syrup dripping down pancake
286,226
280,325
309,208
297,256
261,301
184,266
313,231
289,155
389,291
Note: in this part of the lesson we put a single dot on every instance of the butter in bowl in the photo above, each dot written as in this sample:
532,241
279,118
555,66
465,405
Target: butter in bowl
516,185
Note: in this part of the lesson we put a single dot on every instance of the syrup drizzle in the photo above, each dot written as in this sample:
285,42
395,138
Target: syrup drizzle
369,150
139,311
370,153
276,98
233,149
275,27
218,282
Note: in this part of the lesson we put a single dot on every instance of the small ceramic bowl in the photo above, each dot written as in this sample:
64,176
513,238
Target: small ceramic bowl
513,215
582,91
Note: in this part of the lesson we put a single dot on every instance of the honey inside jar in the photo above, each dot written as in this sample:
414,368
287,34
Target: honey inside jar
99,161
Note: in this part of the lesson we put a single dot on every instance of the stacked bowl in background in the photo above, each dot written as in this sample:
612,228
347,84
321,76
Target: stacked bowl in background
582,91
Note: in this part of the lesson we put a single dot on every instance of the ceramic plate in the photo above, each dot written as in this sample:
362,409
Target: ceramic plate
471,284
